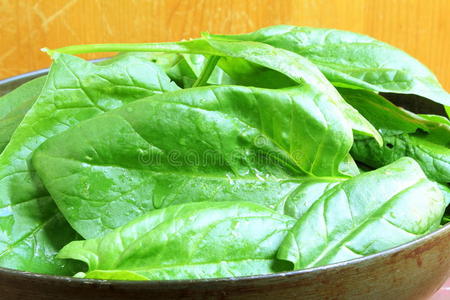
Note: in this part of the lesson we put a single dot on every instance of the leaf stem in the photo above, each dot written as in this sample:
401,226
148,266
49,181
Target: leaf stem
207,70
198,46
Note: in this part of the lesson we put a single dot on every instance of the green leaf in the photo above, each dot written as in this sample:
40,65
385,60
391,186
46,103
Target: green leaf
31,228
189,241
14,106
247,73
434,158
366,214
350,59
383,114
424,138
204,144
294,66
299,69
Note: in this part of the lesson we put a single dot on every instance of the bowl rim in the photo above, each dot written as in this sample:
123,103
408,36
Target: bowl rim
442,231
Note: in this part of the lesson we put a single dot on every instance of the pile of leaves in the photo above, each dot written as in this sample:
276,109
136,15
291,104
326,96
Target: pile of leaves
222,156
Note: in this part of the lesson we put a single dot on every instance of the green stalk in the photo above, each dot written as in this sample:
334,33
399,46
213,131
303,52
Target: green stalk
206,71
198,46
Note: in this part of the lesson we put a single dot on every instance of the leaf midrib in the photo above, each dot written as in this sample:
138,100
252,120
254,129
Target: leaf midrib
28,234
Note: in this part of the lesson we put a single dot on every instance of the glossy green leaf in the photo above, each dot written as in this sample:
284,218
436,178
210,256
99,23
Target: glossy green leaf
247,73
382,114
14,106
424,138
433,157
188,241
289,64
31,228
366,214
351,59
299,69
210,143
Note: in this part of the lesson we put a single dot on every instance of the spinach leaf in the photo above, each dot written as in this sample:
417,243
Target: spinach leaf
366,214
433,157
247,73
14,106
291,65
31,228
384,115
424,138
188,241
298,69
350,59
210,143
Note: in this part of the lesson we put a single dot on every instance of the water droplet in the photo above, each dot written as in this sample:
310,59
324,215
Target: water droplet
230,180
243,171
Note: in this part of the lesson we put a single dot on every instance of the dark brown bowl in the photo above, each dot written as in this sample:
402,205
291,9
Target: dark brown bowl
411,271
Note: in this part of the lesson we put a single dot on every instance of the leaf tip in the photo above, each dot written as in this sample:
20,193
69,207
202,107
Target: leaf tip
52,53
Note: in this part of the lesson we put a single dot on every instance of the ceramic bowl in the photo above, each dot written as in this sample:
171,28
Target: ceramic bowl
411,271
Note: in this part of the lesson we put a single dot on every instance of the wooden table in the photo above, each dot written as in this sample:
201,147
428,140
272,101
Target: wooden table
422,28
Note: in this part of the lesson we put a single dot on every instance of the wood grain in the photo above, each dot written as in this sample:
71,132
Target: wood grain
422,28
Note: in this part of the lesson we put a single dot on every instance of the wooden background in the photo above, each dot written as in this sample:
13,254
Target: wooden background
422,28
